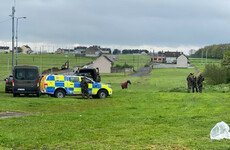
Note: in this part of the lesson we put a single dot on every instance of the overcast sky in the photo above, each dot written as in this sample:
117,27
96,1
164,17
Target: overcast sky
154,24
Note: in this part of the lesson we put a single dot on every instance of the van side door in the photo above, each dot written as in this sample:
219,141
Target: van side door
74,85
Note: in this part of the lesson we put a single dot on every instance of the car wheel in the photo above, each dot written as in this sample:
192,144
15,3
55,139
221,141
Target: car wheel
102,94
6,91
59,94
15,95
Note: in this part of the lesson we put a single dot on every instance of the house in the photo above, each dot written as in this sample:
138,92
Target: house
80,50
159,57
93,51
182,61
106,50
64,51
103,63
60,51
171,57
4,49
69,51
25,48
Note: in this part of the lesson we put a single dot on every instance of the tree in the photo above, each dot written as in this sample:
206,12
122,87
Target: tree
116,52
226,60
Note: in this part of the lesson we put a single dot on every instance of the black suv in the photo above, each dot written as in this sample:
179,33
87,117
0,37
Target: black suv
8,84
26,80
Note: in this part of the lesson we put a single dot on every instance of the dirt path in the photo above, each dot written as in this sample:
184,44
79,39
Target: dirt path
12,114
142,72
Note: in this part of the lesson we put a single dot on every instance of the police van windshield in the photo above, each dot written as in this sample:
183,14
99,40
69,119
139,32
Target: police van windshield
26,74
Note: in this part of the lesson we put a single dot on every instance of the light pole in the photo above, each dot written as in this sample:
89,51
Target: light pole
17,37
13,12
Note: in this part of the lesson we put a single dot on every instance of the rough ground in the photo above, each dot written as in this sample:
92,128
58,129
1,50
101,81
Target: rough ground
142,72
12,114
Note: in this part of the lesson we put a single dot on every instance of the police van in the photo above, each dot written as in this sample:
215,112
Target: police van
61,85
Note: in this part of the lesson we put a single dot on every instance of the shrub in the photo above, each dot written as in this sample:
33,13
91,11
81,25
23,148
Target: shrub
123,66
214,74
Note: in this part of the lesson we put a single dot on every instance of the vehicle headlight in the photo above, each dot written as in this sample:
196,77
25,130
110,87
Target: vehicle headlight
109,86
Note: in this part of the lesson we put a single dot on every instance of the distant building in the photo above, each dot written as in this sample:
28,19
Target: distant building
106,50
64,51
25,49
80,50
4,49
93,51
182,61
171,57
103,63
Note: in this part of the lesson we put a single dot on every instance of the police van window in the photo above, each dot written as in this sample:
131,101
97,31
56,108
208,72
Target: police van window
26,74
88,80
74,79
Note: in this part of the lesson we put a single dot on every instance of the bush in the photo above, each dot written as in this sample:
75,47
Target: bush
123,66
215,75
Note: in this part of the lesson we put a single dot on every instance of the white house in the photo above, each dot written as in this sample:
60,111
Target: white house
103,63
4,49
25,48
171,57
182,61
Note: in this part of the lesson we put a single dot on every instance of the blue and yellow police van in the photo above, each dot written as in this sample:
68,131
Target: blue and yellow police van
61,85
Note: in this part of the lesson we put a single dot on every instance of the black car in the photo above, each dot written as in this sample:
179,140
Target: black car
26,80
8,84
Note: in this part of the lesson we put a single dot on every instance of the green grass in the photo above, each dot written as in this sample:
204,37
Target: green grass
44,61
137,61
155,112
201,65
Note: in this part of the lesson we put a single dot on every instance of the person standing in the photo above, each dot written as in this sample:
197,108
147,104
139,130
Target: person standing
189,81
84,88
124,85
194,83
200,80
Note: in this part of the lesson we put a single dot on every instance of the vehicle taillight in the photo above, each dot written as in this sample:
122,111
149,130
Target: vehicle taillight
45,85
38,84
13,83
7,80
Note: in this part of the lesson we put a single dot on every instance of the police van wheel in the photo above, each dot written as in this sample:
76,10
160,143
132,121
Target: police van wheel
102,94
59,94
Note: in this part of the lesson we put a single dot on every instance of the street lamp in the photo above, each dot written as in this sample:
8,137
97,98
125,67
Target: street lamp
17,37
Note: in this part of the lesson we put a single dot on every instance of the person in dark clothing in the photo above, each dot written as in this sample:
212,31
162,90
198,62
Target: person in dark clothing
84,88
124,85
194,84
200,80
191,81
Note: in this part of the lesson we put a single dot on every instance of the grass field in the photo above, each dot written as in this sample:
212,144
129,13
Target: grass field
44,61
137,61
155,112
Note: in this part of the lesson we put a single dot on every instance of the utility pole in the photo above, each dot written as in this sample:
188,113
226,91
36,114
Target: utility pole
13,11
17,37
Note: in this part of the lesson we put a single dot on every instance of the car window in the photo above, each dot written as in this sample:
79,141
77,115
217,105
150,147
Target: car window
89,80
26,74
74,79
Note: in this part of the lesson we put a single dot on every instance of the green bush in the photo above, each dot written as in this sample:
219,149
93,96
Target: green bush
123,66
215,75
